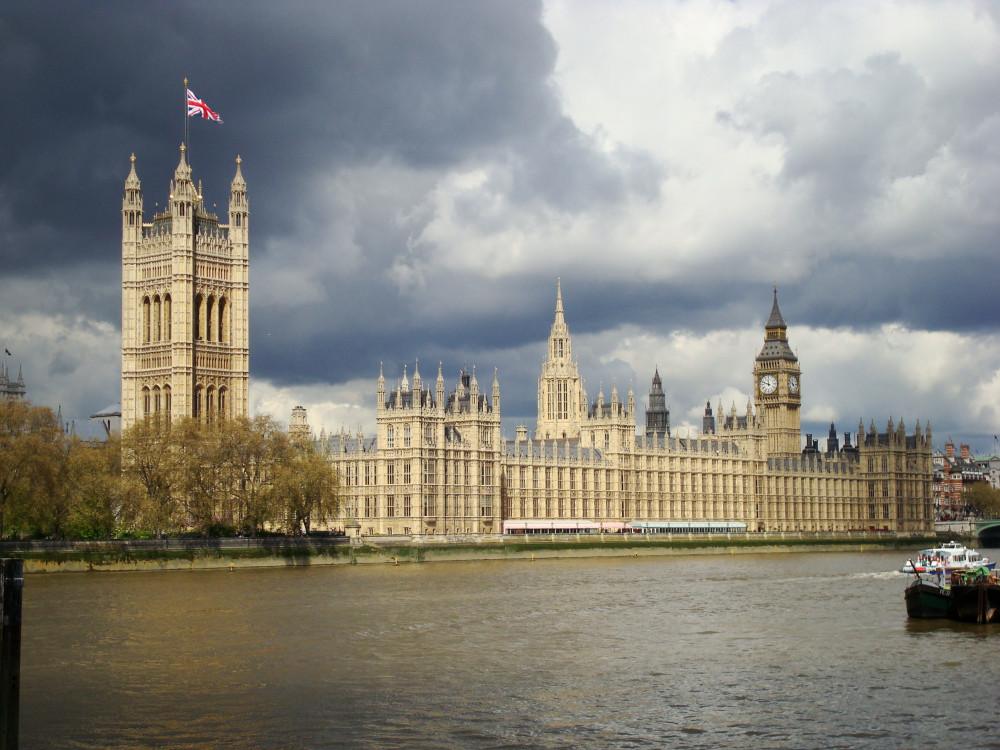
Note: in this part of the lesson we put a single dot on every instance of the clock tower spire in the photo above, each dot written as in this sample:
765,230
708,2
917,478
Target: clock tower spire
777,387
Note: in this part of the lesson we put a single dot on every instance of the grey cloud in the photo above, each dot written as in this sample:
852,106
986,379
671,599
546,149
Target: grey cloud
848,134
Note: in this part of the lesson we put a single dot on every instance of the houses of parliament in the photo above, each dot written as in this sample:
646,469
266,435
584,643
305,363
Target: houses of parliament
439,463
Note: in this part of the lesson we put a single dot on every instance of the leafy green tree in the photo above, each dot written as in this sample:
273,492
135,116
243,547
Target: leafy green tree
984,498
202,471
104,500
252,450
305,485
31,451
149,461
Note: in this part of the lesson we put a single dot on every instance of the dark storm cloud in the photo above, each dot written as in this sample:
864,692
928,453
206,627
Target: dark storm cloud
418,180
301,86
305,89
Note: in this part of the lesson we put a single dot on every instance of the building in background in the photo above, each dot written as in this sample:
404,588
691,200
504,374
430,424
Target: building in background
953,475
438,463
990,466
10,388
185,303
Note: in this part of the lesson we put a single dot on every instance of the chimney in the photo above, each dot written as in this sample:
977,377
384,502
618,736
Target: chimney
965,452
949,451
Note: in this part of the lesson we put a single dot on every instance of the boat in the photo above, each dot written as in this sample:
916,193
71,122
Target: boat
949,557
927,597
975,596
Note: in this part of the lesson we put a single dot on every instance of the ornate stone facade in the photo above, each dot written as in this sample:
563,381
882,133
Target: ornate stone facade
185,297
439,465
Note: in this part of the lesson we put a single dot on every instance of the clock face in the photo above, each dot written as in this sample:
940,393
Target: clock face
793,384
768,384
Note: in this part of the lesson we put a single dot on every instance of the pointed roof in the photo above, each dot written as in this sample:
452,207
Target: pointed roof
132,181
183,171
238,181
560,317
776,338
775,321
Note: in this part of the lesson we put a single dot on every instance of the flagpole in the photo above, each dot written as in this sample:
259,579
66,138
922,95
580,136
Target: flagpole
186,118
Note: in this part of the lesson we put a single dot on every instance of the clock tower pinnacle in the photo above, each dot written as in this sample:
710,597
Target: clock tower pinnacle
777,387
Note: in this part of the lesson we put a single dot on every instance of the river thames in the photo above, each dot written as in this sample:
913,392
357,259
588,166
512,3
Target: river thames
808,650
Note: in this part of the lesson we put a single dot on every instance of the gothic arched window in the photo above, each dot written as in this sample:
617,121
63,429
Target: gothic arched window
209,317
223,322
167,320
145,320
198,302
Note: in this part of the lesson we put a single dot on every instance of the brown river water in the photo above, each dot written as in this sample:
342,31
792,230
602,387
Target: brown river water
808,650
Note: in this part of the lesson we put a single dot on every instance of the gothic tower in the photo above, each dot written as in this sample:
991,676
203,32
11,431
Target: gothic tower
562,404
777,387
185,298
657,413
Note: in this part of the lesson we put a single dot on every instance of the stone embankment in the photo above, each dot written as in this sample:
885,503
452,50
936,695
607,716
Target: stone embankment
206,554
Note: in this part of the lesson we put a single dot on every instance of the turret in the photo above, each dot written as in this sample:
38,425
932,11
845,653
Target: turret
381,389
474,392
239,209
708,421
439,389
183,198
131,212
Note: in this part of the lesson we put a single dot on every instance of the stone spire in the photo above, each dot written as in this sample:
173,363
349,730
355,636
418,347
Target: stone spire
474,392
183,171
381,388
132,181
238,181
439,388
776,337
775,321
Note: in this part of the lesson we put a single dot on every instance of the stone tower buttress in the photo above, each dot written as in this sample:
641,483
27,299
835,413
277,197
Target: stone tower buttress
131,304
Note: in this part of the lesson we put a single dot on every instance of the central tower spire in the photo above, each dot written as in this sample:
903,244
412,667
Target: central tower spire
561,404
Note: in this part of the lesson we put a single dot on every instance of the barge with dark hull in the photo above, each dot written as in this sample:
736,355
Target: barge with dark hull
975,597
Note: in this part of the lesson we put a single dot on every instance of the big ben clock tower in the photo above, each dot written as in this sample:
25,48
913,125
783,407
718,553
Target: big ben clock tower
777,387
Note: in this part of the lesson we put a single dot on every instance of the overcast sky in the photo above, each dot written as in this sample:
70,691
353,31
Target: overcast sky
420,174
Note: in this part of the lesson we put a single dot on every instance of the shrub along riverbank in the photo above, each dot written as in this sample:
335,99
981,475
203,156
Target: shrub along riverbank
233,553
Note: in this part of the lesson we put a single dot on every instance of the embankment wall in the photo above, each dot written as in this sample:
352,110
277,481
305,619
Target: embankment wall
209,554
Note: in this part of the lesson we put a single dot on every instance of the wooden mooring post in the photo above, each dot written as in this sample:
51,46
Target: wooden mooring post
11,588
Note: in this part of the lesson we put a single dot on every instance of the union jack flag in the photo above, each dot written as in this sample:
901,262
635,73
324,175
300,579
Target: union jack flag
197,107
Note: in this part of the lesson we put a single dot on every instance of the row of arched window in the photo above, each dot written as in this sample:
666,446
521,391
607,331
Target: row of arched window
156,318
209,403
156,400
211,318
